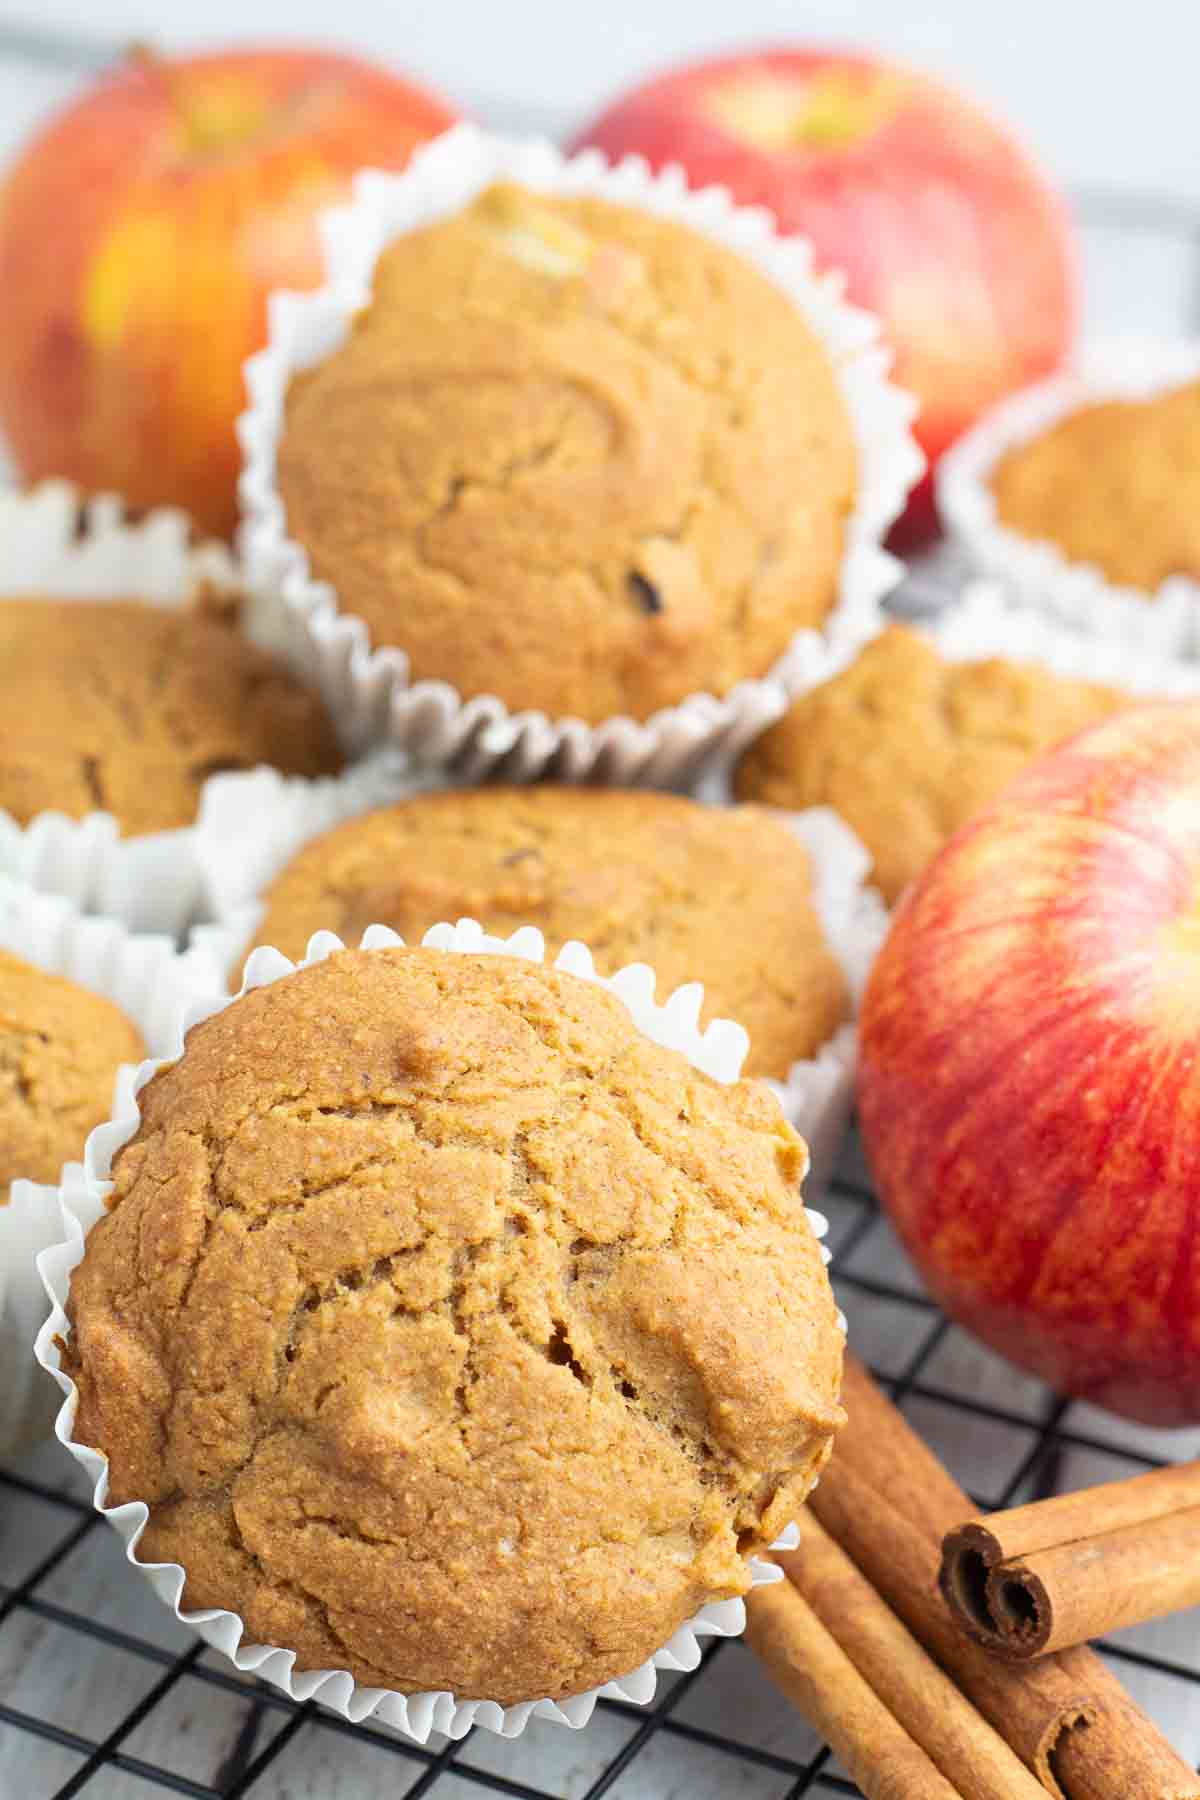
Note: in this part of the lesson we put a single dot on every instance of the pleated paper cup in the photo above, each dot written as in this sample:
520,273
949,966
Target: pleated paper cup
817,1094
56,544
986,622
480,735
154,985
717,1051
254,824
1166,622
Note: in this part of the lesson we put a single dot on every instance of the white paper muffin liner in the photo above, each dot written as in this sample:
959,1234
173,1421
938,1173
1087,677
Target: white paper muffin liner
53,542
430,718
987,622
718,1051
253,824
987,619
818,1092
1078,594
154,985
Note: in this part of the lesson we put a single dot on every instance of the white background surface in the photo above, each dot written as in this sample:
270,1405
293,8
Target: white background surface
1110,107
1107,93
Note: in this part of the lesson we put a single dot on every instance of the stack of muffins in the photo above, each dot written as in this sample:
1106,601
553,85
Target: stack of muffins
455,1317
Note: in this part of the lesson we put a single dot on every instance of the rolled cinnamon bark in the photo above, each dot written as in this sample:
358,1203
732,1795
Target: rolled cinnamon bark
889,1503
970,1753
822,1682
1047,1576
1035,1710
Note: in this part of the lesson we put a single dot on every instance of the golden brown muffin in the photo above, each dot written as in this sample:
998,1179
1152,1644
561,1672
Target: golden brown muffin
700,893
60,1048
906,746
573,455
1116,485
126,708
454,1333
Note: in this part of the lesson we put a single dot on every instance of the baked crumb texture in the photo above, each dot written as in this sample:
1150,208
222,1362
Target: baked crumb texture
719,895
907,746
60,1048
127,708
1116,485
454,1333
576,456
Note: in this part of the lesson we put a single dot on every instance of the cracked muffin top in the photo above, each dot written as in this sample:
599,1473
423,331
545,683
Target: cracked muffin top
907,746
124,707
60,1048
1116,485
453,1332
718,895
574,455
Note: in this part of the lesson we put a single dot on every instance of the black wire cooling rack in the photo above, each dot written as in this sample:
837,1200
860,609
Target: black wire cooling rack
103,1693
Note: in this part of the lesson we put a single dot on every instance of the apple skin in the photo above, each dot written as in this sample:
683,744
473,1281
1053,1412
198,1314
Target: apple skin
140,234
1029,1077
945,227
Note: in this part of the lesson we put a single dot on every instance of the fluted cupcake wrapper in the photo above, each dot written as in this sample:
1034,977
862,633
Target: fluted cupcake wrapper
988,619
817,1094
987,622
431,719
718,1051
56,544
154,985
253,824
1167,622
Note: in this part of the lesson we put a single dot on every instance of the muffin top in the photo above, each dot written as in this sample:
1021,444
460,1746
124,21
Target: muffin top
906,746
718,895
1116,485
574,455
60,1048
126,708
454,1333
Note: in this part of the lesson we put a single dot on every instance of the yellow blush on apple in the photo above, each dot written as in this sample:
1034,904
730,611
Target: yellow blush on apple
140,235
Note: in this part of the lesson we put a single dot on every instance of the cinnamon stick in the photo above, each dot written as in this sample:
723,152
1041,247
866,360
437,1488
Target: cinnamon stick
1044,1577
819,1678
889,1503
970,1753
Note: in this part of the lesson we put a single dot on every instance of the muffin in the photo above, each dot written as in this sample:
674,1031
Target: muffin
575,455
906,746
127,708
701,894
60,1048
1115,484
453,1332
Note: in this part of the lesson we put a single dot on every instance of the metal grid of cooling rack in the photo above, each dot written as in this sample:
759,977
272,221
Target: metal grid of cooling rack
103,1693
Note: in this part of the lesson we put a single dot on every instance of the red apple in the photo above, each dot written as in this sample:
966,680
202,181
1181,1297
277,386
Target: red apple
943,224
140,234
1030,1068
